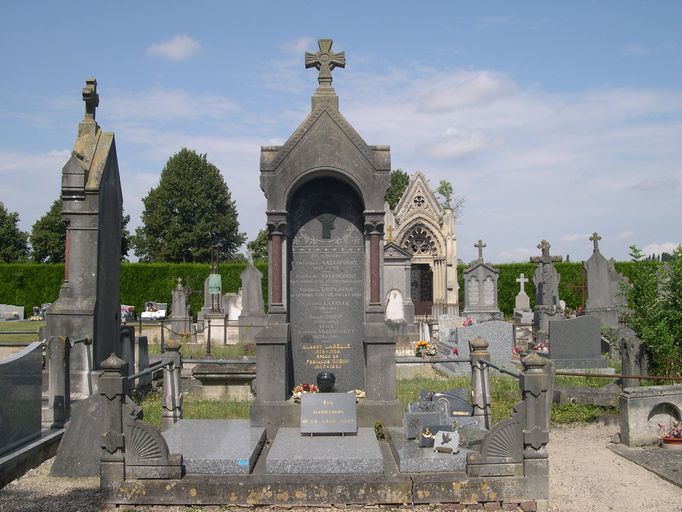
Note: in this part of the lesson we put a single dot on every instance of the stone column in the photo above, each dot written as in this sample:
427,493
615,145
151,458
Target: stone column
59,382
277,229
113,388
172,396
374,230
142,362
536,390
480,381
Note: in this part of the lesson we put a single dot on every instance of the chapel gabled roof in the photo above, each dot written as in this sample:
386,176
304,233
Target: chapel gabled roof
410,205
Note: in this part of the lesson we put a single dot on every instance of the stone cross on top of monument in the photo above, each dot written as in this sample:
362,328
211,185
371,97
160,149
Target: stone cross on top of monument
545,258
480,245
91,98
522,280
595,238
325,61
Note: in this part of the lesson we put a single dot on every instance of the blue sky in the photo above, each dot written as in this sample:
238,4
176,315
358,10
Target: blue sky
552,120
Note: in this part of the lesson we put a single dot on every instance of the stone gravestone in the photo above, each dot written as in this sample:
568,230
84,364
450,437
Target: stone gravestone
252,316
546,280
325,213
180,320
634,357
603,287
9,312
397,280
523,314
480,289
497,333
576,343
89,303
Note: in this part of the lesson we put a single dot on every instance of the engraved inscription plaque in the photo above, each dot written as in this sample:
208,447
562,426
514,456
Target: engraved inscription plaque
326,283
328,413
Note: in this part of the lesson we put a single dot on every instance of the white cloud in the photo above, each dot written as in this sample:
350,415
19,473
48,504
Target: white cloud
465,89
625,235
573,237
637,50
654,183
517,254
179,47
668,247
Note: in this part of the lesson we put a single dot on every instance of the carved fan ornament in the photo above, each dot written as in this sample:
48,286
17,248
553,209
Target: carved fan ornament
420,241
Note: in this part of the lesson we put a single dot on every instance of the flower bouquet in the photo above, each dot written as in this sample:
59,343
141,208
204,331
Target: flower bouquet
303,388
420,348
468,321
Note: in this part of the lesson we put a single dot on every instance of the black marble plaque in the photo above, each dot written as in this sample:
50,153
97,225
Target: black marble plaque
326,284
328,413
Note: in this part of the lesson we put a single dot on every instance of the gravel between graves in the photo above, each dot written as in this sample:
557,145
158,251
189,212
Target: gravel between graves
585,476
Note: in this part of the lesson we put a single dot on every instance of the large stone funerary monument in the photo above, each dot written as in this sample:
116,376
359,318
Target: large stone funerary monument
325,192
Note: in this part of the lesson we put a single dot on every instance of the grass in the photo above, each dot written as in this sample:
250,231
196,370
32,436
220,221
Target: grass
194,408
31,329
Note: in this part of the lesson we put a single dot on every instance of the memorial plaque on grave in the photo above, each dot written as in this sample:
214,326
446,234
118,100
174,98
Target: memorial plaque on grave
328,413
327,284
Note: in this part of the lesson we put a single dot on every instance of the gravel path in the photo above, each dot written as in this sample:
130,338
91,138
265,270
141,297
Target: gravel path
584,477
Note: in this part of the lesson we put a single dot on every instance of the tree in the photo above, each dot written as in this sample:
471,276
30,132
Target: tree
654,296
190,211
396,188
448,199
259,246
48,236
13,241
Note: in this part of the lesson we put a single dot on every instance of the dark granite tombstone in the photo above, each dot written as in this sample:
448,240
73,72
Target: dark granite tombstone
576,343
327,283
325,214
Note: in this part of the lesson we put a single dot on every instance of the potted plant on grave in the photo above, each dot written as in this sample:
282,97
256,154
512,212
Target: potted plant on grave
671,437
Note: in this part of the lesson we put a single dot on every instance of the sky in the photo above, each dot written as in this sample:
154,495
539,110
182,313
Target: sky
551,119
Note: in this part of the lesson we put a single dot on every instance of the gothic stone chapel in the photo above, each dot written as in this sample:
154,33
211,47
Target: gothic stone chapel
325,192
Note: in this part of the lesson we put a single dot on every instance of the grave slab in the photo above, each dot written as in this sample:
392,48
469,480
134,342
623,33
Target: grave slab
216,447
412,459
665,463
293,453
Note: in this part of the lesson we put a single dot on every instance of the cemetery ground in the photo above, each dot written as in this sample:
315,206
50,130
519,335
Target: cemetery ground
584,474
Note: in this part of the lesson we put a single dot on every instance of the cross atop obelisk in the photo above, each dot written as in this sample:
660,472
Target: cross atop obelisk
595,239
480,245
325,61
91,98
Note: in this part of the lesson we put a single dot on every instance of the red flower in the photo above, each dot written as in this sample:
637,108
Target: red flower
455,351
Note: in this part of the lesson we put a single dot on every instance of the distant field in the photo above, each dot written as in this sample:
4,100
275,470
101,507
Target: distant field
30,328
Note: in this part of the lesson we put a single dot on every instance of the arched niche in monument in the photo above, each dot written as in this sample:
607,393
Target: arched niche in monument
326,283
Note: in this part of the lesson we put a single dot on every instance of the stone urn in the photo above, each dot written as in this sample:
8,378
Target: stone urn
325,382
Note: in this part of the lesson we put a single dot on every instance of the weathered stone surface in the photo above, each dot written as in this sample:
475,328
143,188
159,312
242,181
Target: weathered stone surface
643,409
576,343
665,463
216,447
88,303
498,334
21,379
10,312
293,453
480,289
604,296
327,284
413,459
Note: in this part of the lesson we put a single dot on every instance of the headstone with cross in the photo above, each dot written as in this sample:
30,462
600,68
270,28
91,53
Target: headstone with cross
522,302
604,296
480,289
546,280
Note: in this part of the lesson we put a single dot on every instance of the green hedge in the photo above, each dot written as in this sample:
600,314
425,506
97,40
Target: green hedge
30,284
